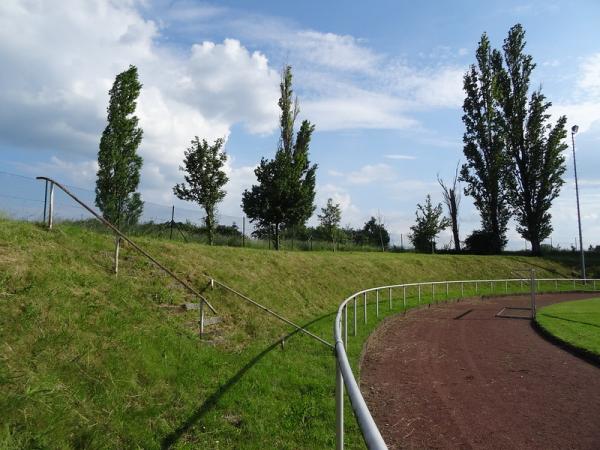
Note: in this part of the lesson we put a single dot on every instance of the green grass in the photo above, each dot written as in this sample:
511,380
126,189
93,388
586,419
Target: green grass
91,360
577,323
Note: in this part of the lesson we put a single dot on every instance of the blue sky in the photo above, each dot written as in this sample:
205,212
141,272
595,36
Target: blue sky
382,81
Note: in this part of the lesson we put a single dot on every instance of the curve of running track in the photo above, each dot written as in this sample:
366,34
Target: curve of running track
457,376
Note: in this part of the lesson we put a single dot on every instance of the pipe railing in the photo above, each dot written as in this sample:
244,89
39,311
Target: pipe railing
203,301
344,375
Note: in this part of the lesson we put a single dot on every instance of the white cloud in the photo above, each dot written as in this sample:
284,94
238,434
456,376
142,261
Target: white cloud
372,173
60,59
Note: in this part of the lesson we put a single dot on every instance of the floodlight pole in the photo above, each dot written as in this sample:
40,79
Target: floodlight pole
574,130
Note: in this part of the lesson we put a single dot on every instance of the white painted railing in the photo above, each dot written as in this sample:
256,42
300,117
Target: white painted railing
424,293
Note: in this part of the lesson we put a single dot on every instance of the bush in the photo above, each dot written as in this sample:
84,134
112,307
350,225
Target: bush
480,242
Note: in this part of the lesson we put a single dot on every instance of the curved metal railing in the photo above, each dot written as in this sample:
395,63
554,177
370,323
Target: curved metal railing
344,374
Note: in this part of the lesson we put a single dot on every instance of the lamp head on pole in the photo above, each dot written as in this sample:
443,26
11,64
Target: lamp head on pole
574,129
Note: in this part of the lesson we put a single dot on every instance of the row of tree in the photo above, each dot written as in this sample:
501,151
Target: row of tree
514,162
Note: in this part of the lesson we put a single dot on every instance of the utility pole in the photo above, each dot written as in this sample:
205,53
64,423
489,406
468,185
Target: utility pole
574,130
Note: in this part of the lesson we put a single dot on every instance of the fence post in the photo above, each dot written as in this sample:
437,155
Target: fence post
51,206
476,287
354,316
506,287
377,303
346,326
446,289
201,317
419,294
339,408
172,222
404,297
390,294
365,296
462,289
491,286
432,292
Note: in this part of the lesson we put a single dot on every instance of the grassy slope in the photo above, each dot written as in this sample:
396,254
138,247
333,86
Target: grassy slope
576,323
89,359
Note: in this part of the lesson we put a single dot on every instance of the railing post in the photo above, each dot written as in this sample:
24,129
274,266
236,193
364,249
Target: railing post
346,326
419,294
506,287
365,296
201,317
446,289
404,297
339,408
377,303
594,284
45,200
117,248
355,328
51,206
573,283
476,287
390,295
432,292
491,286
521,284
462,289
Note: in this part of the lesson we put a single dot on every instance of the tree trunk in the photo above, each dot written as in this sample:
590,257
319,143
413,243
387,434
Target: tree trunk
454,219
536,247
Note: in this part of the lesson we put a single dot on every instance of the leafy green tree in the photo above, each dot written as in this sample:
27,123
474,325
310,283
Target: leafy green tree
373,233
205,178
486,170
285,193
535,146
430,221
119,164
330,219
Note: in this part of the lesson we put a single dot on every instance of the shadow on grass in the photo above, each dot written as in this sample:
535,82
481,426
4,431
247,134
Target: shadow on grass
570,320
172,438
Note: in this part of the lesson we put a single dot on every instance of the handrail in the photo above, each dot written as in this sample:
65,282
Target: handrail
133,244
344,375
169,272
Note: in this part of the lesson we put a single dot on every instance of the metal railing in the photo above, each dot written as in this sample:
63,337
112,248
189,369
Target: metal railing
48,218
425,294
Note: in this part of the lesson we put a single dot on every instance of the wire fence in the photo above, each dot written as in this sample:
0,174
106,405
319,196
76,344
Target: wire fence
25,198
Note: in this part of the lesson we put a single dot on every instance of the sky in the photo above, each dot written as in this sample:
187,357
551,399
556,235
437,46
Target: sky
381,81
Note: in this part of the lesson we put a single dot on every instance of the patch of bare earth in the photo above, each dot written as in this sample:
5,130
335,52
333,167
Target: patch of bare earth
457,376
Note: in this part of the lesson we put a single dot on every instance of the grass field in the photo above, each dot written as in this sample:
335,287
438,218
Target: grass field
577,323
91,360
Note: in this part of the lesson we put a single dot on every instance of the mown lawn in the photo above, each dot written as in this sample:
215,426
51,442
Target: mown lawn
89,359
577,323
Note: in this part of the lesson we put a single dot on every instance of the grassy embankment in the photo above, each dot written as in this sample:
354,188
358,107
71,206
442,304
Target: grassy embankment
88,359
576,323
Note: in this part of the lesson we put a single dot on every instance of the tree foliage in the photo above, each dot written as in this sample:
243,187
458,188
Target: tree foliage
284,195
205,178
119,164
486,168
330,219
373,233
429,222
535,146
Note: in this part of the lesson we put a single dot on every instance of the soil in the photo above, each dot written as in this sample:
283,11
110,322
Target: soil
457,376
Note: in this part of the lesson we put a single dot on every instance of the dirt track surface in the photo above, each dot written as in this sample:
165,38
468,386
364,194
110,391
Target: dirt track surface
456,376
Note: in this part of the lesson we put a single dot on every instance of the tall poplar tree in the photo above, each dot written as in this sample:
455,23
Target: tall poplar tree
486,169
535,146
285,193
119,164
